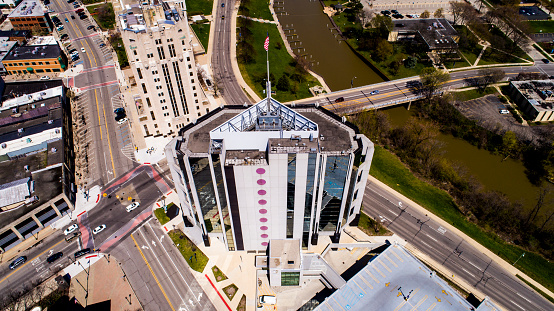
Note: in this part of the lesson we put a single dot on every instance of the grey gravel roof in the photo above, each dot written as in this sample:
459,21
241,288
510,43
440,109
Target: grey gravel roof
13,192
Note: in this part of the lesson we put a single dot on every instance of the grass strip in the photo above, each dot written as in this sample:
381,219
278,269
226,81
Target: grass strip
473,94
193,256
162,217
203,33
219,276
543,53
230,291
371,227
119,48
388,169
255,9
536,289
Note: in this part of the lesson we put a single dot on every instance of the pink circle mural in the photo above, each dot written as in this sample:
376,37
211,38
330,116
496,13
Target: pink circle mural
263,211
264,243
260,171
261,182
262,202
263,228
262,192
264,236
263,219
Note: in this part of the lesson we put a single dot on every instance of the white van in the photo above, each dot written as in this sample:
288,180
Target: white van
504,111
268,300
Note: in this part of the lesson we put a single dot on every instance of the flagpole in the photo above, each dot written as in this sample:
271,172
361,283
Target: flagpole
268,82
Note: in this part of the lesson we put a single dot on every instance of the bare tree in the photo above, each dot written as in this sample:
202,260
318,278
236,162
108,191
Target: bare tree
439,13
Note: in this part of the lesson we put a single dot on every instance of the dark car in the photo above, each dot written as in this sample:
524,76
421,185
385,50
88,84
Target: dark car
340,99
386,12
119,110
102,45
73,236
398,15
91,27
394,11
223,5
546,61
72,16
64,36
80,10
54,257
17,262
82,252
83,16
46,2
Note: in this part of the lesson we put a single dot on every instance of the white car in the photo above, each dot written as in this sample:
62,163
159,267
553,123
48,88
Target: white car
268,300
45,78
70,229
99,229
122,121
83,50
133,206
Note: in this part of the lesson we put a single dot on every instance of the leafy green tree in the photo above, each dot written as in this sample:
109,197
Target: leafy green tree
381,25
510,144
383,50
425,14
439,13
245,52
284,83
410,62
432,81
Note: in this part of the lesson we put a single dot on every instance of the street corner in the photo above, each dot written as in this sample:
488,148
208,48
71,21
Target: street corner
87,199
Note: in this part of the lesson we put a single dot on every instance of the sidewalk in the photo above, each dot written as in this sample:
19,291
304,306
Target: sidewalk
501,262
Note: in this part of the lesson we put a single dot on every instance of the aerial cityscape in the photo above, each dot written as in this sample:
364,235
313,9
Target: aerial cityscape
276,155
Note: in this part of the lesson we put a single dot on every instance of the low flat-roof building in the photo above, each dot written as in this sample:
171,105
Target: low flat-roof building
36,158
535,98
35,59
435,33
29,15
6,45
20,36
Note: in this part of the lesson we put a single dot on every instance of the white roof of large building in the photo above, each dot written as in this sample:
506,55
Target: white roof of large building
14,192
31,98
28,8
396,280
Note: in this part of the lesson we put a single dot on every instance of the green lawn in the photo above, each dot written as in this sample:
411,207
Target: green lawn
219,276
86,2
255,8
119,48
498,57
105,22
188,250
456,64
199,7
473,94
387,168
470,51
162,217
279,61
537,26
368,226
203,33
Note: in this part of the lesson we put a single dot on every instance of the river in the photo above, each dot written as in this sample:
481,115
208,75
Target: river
332,59
505,176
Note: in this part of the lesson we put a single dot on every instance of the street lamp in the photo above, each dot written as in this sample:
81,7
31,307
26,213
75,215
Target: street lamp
352,82
522,255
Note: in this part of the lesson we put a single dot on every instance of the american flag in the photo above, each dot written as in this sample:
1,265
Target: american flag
266,43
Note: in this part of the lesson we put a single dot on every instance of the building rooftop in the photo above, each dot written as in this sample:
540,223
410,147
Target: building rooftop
45,40
396,280
436,32
28,8
15,33
284,254
304,129
14,192
34,52
539,93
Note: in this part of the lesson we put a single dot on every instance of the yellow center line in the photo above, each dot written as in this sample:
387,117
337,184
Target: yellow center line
108,133
14,271
151,271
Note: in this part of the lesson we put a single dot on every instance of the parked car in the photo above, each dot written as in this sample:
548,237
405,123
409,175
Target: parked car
91,27
385,12
18,262
546,61
504,111
83,16
80,10
119,110
75,57
73,236
132,206
70,229
66,20
72,51
99,229
268,300
394,11
54,257
82,252
102,45
83,50
60,28
121,121
64,36
222,5
45,78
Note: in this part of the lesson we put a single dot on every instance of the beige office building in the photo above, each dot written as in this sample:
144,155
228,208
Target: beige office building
167,94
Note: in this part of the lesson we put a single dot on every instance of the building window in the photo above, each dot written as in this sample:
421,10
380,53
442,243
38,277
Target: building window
161,52
148,102
152,115
146,130
139,73
333,190
204,185
135,52
291,178
312,157
155,126
144,88
290,278
171,48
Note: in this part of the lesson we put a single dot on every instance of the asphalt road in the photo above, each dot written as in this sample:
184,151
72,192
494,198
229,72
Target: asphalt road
158,272
221,57
100,88
109,211
451,251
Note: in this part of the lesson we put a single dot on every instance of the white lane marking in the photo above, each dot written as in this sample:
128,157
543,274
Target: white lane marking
523,297
426,244
471,263
441,230
468,272
432,238
178,270
517,305
395,214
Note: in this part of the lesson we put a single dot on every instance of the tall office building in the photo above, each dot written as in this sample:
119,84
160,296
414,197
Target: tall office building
168,94
249,175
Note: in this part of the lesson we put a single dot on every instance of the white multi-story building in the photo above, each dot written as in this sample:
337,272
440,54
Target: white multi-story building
250,175
168,94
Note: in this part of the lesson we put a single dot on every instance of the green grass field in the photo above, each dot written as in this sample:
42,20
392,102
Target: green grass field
121,53
279,62
162,217
473,94
199,7
545,26
188,250
256,9
108,22
387,168
203,33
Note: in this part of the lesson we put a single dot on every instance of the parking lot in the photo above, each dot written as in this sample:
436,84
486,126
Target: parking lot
408,9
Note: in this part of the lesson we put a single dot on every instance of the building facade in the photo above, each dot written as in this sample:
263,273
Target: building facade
168,94
34,59
535,98
246,176
30,15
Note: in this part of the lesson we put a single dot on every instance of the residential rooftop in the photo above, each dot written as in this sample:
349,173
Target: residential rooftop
34,52
28,8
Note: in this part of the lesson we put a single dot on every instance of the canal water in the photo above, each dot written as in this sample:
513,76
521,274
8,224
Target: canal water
330,57
505,176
